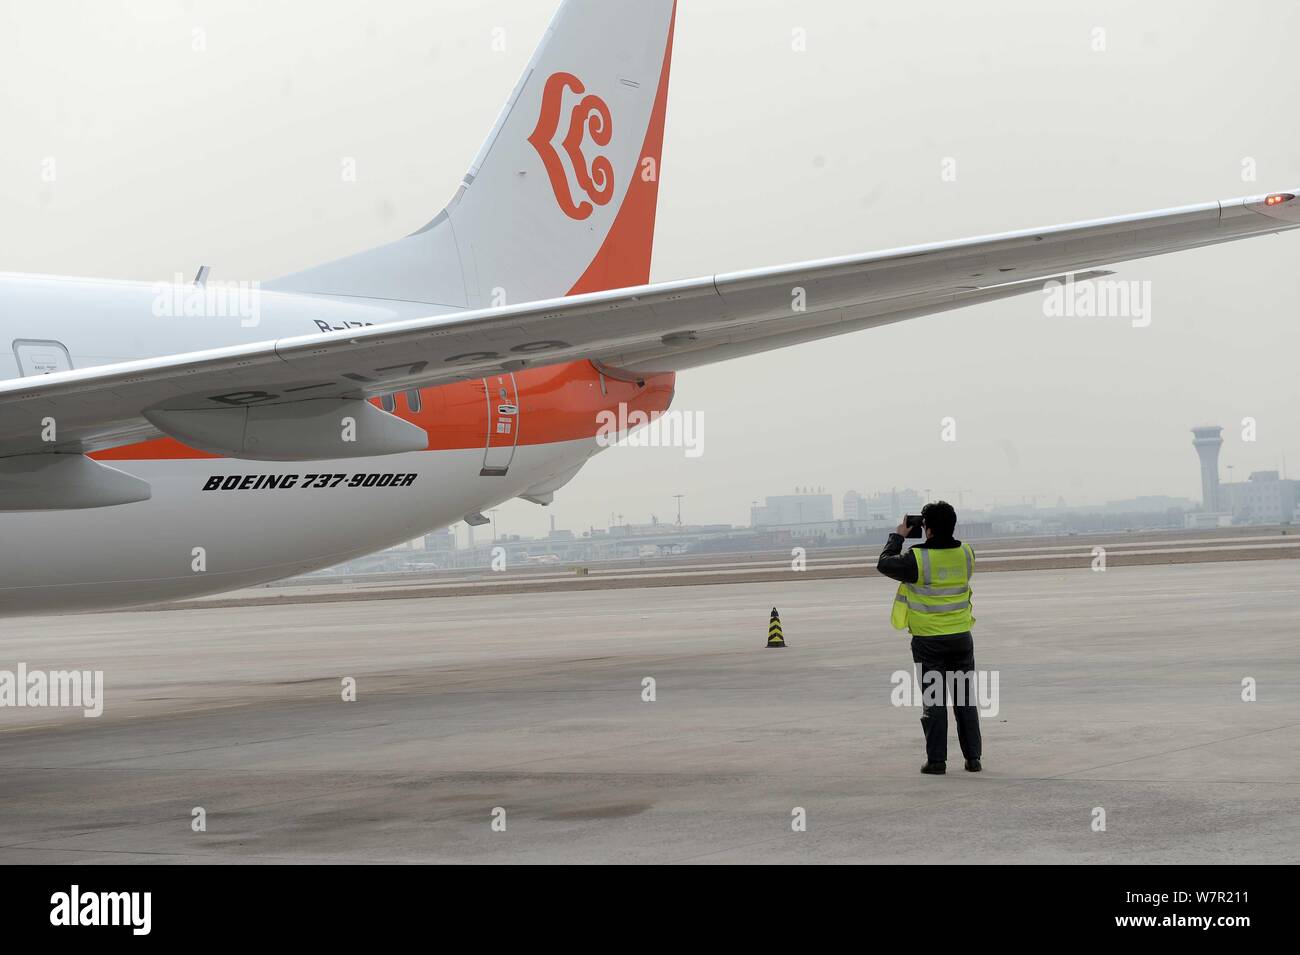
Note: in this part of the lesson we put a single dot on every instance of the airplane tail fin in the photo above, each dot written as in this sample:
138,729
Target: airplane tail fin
561,198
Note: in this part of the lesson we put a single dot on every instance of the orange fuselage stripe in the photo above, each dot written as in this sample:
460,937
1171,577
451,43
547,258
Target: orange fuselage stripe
557,403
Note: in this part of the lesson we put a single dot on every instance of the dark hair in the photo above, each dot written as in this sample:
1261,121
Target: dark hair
940,518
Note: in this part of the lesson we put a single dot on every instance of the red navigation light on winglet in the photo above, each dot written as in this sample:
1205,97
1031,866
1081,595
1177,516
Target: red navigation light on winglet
1278,198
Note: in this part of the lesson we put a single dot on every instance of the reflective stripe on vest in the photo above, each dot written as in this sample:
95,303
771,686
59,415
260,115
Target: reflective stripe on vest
941,573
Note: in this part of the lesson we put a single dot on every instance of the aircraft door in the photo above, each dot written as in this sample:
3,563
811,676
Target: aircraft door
41,357
503,424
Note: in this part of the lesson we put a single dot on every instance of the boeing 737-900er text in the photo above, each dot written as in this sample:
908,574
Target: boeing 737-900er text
389,393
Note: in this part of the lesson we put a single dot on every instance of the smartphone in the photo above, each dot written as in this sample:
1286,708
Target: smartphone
913,522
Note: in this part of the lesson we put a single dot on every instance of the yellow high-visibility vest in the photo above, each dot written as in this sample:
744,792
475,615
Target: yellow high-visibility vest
940,600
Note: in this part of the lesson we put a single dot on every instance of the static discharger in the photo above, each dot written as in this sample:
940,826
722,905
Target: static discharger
775,638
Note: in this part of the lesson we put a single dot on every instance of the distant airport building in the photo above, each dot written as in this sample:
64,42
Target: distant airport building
1146,504
972,530
1206,520
886,506
793,509
443,540
1264,498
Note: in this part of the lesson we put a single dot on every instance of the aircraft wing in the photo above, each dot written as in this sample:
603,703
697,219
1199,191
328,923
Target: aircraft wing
661,327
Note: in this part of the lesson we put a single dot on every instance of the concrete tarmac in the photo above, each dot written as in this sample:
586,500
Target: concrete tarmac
1119,691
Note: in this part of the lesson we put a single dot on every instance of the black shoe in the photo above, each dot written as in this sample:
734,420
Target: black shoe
973,766
934,769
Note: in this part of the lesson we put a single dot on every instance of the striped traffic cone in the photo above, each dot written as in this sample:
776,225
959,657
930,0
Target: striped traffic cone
775,638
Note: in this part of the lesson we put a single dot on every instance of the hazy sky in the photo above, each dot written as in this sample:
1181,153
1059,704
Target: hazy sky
169,158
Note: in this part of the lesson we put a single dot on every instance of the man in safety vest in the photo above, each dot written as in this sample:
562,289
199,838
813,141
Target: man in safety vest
934,603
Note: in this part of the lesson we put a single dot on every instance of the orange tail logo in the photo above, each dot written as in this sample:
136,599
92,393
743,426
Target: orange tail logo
590,116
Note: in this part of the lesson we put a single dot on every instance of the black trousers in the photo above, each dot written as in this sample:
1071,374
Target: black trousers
948,658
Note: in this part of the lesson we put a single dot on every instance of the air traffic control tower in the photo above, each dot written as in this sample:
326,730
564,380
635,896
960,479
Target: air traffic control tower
1207,441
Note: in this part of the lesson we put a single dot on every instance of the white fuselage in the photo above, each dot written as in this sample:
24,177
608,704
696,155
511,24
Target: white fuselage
185,541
